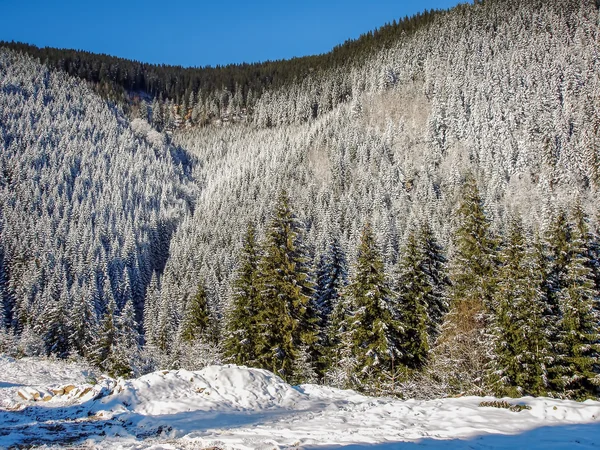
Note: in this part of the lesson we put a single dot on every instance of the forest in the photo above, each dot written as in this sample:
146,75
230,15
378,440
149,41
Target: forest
393,221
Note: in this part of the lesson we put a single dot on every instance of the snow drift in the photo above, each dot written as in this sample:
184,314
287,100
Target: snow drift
243,408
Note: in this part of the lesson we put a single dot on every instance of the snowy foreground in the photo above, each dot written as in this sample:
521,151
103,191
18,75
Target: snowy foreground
52,403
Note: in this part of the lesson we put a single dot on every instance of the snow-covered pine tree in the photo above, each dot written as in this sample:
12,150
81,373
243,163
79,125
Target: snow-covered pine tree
124,357
196,319
578,341
371,326
107,334
411,286
241,329
83,322
433,265
54,325
331,278
463,347
522,352
286,319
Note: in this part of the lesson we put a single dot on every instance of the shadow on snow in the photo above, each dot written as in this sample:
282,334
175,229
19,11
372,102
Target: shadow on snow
577,436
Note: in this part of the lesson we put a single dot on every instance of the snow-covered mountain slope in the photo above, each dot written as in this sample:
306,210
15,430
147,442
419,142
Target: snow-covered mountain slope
236,407
87,204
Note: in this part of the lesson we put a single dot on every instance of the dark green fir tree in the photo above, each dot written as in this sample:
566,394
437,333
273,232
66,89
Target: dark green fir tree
433,264
286,320
371,327
241,325
577,346
522,352
196,317
412,290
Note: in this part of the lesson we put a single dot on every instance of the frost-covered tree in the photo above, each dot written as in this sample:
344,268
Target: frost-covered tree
196,319
571,290
464,343
285,320
412,288
372,330
522,351
241,326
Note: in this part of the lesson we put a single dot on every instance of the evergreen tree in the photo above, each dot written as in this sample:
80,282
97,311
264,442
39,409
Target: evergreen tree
463,345
412,289
241,333
107,336
522,351
576,370
83,324
56,330
196,319
124,351
331,279
433,264
151,307
371,327
286,319
590,241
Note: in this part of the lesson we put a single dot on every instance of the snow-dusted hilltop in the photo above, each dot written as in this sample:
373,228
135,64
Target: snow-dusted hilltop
231,407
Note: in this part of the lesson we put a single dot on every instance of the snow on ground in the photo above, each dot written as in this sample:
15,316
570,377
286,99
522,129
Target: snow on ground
236,407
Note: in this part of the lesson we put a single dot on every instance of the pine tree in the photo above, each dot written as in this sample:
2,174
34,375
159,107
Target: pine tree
522,351
107,336
196,319
285,320
433,265
578,347
412,289
83,324
590,240
151,310
241,334
463,345
371,327
331,279
56,330
124,351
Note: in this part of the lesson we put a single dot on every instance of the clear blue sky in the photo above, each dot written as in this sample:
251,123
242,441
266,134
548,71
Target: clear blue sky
199,32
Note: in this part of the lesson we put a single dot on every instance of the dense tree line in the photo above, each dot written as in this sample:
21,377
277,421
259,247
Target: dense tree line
507,314
121,79
88,204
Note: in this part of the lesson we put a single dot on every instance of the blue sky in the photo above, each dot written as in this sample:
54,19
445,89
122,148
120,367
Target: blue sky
198,32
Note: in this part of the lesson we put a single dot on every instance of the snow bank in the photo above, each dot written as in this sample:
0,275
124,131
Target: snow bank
215,388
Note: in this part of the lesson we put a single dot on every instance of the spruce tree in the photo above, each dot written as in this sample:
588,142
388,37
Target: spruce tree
412,289
107,335
522,351
556,253
196,319
578,346
124,350
241,327
331,277
433,264
371,328
83,324
55,326
286,319
463,347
